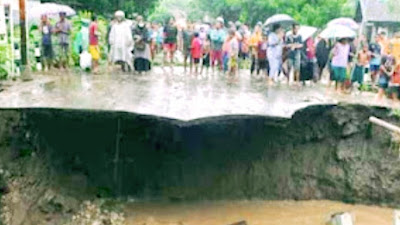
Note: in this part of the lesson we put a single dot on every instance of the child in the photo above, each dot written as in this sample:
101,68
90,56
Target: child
196,51
363,58
262,55
233,54
385,72
206,54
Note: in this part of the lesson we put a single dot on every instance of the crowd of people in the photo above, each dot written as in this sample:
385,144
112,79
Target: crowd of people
224,46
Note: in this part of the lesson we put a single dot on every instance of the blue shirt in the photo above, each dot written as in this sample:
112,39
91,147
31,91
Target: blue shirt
217,39
376,54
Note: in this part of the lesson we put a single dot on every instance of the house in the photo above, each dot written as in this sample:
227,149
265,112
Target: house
377,16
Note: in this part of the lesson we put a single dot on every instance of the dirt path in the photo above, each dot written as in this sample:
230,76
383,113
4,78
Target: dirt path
254,212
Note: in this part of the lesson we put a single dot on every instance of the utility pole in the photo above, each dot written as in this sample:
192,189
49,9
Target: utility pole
22,20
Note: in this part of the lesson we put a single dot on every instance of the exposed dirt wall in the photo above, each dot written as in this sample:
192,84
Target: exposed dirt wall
323,152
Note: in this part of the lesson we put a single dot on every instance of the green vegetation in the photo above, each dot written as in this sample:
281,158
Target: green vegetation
107,7
310,12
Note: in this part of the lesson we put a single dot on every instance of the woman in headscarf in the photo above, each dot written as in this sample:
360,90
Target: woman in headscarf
322,53
121,42
142,46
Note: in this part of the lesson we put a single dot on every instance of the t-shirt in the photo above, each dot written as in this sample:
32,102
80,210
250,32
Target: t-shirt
170,34
46,34
395,48
376,51
65,29
93,39
187,39
217,37
234,47
196,48
341,55
294,39
262,50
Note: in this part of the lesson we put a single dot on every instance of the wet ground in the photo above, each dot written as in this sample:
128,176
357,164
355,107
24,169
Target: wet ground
254,212
170,94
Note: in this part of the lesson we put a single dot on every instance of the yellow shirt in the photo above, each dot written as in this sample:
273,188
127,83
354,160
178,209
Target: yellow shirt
254,40
395,49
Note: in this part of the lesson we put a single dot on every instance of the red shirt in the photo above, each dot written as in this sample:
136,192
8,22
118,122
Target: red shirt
93,39
262,50
196,48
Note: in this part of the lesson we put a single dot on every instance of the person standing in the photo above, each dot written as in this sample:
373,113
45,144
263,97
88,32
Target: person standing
188,34
63,30
170,41
94,48
384,43
196,52
394,84
322,53
294,43
233,54
363,59
395,47
142,46
376,59
385,73
340,61
311,61
206,55
262,61
255,39
217,36
274,52
121,42
47,46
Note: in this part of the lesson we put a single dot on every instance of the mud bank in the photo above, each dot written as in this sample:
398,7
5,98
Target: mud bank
323,152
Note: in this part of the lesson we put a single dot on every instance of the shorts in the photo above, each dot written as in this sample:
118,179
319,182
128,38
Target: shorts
358,75
233,62
374,68
170,47
295,63
94,50
196,60
383,82
216,56
206,60
48,52
339,73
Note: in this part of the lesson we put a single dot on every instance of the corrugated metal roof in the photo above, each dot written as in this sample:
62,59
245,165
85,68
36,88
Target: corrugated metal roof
380,10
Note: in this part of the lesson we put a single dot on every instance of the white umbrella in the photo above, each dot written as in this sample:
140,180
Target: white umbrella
338,31
282,19
50,9
305,32
347,22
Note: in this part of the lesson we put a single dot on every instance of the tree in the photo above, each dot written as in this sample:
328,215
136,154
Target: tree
309,12
144,7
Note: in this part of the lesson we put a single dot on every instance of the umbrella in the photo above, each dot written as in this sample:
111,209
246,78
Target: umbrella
305,32
50,9
338,31
347,22
283,19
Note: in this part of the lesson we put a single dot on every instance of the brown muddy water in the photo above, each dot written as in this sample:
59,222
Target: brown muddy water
253,212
